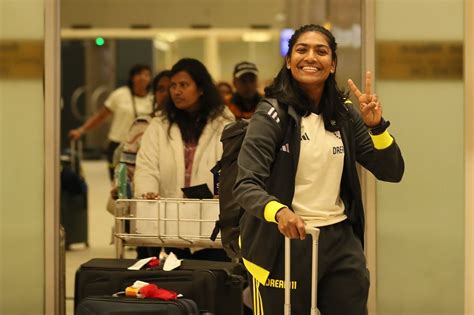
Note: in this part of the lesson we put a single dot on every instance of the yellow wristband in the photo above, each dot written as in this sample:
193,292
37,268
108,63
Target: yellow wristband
382,141
271,210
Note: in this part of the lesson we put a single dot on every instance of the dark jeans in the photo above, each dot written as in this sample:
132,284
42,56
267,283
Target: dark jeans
343,279
110,157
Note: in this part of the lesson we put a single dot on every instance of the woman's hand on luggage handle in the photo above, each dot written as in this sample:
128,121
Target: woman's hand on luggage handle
151,196
290,224
75,134
370,108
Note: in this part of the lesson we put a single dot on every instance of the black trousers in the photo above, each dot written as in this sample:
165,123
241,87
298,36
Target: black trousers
343,278
110,157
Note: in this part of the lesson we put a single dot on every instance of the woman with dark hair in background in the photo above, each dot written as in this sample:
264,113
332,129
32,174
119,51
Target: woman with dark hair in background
297,167
160,86
125,166
125,103
131,145
182,143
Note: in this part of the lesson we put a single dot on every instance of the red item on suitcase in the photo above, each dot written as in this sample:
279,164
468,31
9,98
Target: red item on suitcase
153,291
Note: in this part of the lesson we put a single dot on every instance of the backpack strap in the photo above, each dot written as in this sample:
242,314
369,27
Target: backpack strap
237,129
225,222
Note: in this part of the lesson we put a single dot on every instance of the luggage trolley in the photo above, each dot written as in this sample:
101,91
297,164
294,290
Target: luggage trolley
167,222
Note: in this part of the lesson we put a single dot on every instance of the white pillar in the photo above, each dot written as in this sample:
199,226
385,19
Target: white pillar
211,56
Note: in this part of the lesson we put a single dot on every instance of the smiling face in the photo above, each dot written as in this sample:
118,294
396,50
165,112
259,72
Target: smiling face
311,61
184,92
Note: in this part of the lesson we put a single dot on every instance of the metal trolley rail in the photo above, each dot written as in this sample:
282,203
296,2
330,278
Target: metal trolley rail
167,222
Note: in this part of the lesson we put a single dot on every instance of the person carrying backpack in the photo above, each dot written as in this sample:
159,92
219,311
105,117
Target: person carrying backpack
126,103
299,169
125,154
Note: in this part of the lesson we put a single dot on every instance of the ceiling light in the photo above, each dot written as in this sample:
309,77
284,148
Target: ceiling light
256,37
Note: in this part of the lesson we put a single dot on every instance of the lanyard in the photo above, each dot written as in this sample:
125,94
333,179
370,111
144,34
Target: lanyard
133,104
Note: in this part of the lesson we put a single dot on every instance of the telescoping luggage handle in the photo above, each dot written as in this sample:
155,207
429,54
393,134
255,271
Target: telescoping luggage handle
314,232
75,146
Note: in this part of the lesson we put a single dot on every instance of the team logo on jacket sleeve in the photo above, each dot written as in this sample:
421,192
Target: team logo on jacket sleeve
273,114
285,148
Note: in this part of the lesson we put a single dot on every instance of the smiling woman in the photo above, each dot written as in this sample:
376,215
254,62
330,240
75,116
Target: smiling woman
324,137
311,62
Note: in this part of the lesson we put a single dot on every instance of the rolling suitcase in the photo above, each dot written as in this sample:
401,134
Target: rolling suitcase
216,287
314,232
73,197
108,305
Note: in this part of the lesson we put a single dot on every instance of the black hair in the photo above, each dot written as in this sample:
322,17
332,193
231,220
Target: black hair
154,84
134,70
158,77
226,84
211,106
288,92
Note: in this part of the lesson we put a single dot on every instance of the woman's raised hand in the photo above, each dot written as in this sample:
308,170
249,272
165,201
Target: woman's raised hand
370,108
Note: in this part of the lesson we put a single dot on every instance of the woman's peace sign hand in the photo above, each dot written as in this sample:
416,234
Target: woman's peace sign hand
370,108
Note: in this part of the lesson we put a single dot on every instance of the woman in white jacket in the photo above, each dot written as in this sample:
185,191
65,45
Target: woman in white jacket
182,143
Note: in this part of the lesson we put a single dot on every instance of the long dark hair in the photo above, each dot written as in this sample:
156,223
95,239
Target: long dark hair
210,105
134,70
288,92
156,80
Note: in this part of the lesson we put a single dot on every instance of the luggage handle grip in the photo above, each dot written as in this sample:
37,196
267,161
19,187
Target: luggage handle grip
75,148
314,232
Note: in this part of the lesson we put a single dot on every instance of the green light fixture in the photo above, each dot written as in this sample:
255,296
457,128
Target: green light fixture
99,41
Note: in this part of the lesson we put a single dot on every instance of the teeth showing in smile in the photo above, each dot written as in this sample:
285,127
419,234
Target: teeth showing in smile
310,69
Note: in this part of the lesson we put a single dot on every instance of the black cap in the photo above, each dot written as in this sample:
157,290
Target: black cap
244,67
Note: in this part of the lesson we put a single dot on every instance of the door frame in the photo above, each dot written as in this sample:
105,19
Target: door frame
469,157
53,286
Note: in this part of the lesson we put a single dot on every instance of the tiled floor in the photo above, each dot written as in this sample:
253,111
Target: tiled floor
100,227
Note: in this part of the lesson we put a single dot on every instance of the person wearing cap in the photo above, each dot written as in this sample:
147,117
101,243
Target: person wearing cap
245,99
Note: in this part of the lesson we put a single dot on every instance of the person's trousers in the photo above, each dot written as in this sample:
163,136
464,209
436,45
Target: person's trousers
110,157
343,278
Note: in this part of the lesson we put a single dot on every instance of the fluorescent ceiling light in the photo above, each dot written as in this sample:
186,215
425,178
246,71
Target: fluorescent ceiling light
256,37
159,44
168,37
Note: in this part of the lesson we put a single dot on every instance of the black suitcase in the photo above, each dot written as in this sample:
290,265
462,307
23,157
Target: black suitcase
216,287
108,305
73,197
